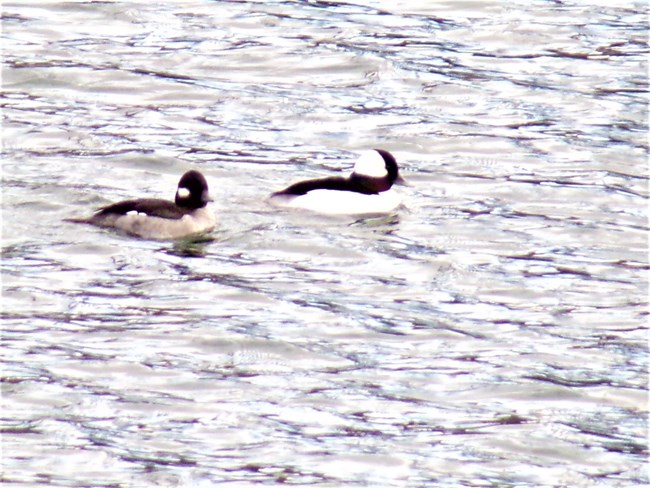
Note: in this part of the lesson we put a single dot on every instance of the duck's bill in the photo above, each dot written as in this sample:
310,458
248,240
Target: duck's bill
401,181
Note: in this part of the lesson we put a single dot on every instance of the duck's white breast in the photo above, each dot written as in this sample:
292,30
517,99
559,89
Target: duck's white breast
142,225
334,202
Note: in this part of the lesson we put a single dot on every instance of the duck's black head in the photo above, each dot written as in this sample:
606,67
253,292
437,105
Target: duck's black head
192,190
376,170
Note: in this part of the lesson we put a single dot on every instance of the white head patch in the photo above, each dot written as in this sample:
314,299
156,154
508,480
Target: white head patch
182,192
370,163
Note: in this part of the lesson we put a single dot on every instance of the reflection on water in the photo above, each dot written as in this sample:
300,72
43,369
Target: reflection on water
490,333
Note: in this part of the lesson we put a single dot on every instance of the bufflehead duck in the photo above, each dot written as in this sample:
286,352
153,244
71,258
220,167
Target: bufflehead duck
366,191
154,218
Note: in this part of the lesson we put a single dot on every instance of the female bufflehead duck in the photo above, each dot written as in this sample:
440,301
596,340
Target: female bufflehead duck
366,191
153,218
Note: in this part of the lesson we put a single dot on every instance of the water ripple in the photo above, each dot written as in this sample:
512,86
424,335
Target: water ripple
492,332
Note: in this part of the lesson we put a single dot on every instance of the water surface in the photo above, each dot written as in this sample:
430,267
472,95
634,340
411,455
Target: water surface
492,332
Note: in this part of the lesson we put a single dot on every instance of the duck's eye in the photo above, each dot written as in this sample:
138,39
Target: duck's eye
183,192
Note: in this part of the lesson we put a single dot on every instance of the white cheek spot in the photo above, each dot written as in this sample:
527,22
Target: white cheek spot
370,163
182,192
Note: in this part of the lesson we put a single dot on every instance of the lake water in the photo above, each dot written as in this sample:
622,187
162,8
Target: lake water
492,332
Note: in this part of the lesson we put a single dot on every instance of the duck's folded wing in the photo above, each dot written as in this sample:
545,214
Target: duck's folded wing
331,183
152,207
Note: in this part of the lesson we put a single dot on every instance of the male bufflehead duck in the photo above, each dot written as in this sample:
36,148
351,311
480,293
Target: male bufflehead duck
366,191
154,218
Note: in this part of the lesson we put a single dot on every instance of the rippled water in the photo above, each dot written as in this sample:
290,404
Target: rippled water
493,332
